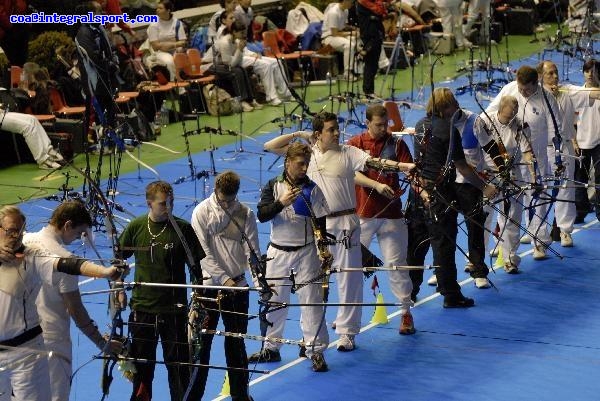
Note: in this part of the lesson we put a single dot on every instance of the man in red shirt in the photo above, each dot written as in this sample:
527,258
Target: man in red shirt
380,216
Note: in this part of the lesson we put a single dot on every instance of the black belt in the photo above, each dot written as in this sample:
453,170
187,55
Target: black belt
239,278
342,213
22,338
288,248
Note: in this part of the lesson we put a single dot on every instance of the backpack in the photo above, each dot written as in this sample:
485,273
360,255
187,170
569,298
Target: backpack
200,39
218,101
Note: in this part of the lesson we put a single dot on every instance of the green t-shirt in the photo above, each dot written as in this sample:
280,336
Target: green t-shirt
160,260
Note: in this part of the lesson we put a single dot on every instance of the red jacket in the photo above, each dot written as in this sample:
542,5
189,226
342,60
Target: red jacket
8,8
377,7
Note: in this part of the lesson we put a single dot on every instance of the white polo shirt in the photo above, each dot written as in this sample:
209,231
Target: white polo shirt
19,286
55,319
588,123
335,17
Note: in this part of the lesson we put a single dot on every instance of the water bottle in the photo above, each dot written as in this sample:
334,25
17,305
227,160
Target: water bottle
164,114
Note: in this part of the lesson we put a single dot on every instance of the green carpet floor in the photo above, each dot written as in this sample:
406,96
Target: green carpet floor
22,182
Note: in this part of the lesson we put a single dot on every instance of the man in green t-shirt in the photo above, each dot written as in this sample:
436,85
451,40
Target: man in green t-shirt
160,257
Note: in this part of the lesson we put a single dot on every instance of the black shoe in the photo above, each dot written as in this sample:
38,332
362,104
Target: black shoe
580,218
302,352
266,355
413,297
318,363
458,302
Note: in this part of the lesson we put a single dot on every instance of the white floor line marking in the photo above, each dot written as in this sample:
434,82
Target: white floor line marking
371,325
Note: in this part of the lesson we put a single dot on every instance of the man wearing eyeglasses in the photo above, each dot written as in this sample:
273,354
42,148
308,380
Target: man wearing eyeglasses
537,108
227,231
23,359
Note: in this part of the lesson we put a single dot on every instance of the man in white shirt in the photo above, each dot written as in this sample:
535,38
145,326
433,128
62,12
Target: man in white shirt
60,302
586,103
337,34
564,207
536,111
335,169
228,234
24,372
505,128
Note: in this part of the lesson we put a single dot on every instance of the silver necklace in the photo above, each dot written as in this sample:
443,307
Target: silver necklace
153,237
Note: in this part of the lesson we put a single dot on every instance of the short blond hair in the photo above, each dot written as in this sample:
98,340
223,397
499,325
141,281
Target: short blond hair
508,100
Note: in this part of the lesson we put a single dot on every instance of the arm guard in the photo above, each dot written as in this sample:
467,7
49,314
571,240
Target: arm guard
70,266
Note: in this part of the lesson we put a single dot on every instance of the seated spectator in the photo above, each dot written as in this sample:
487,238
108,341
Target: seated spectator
225,60
216,20
165,37
37,80
267,68
35,136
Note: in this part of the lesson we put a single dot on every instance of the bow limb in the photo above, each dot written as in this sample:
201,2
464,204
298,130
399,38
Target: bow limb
141,163
116,304
175,152
197,314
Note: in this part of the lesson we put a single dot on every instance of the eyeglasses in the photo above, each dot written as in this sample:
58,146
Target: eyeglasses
12,232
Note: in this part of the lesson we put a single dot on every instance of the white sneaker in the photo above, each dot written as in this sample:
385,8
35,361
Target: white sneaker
246,106
525,239
566,240
482,282
275,102
256,105
49,164
432,280
346,343
55,155
539,252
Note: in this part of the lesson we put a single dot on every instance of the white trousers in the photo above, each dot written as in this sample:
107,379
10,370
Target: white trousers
34,134
509,221
564,207
392,235
538,225
60,367
345,45
350,284
477,7
271,76
162,58
25,373
305,263
451,16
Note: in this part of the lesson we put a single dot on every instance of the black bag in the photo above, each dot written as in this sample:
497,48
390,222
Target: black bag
8,101
139,127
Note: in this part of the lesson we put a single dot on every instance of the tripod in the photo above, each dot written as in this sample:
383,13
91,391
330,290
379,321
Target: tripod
394,60
238,151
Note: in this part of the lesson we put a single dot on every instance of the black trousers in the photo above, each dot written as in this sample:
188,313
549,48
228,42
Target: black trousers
418,239
145,329
371,34
469,200
582,202
235,348
235,80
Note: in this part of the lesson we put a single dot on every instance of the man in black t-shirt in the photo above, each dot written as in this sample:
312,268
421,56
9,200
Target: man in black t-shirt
438,154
